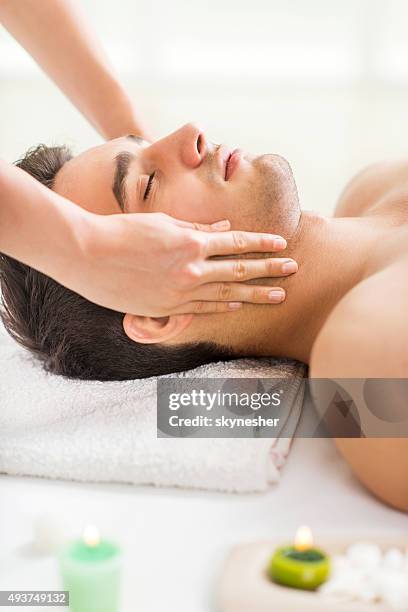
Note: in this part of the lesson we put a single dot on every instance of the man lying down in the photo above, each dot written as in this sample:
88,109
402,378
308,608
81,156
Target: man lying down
345,311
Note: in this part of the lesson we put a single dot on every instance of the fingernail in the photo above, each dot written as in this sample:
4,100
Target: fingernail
276,296
279,243
221,225
234,305
289,267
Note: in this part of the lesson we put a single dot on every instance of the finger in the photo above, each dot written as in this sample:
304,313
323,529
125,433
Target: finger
230,243
246,269
219,226
247,293
237,292
200,307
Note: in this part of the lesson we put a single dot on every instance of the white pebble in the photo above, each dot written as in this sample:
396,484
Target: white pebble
396,600
339,563
364,554
394,559
365,575
335,588
349,582
390,579
393,588
368,594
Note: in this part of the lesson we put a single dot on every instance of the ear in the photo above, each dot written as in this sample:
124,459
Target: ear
149,330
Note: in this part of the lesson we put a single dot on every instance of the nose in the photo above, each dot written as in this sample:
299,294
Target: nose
186,146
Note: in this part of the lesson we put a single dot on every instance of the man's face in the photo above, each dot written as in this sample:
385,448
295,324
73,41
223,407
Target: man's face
193,180
186,177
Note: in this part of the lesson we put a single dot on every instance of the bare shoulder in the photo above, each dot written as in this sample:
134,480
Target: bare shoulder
370,186
366,335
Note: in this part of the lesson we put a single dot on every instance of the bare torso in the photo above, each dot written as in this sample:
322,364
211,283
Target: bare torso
366,334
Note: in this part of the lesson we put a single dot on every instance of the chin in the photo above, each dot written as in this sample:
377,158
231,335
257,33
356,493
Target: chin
276,163
278,200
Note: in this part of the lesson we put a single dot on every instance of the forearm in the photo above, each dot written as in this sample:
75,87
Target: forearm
37,226
56,34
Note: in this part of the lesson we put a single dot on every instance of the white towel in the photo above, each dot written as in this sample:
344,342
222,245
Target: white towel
91,431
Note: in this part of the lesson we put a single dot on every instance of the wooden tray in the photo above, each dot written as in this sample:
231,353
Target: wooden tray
245,587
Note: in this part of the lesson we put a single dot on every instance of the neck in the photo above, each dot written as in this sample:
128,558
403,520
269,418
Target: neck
332,255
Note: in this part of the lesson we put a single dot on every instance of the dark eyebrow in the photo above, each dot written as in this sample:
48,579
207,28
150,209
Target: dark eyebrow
122,161
138,139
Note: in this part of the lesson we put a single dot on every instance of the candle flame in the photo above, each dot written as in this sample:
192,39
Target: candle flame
91,536
303,538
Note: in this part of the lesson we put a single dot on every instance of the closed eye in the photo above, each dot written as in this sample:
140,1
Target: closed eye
148,186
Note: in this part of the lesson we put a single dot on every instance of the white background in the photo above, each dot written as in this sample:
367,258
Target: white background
323,82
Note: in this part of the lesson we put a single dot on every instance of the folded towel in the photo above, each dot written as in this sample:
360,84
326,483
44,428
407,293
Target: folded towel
54,427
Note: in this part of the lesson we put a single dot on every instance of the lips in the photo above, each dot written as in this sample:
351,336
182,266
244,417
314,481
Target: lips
232,163
227,161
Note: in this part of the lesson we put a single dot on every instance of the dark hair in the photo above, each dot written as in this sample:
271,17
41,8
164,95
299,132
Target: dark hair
71,335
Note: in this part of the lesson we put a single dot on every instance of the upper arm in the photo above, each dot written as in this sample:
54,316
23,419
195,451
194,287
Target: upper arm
344,347
351,345
366,335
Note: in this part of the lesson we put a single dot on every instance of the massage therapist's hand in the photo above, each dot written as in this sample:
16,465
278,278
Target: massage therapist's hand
154,265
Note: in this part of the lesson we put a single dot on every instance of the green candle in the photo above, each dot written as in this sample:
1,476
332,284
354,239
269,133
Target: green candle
300,566
91,570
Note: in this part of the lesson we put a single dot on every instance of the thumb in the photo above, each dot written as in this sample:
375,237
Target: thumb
218,226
